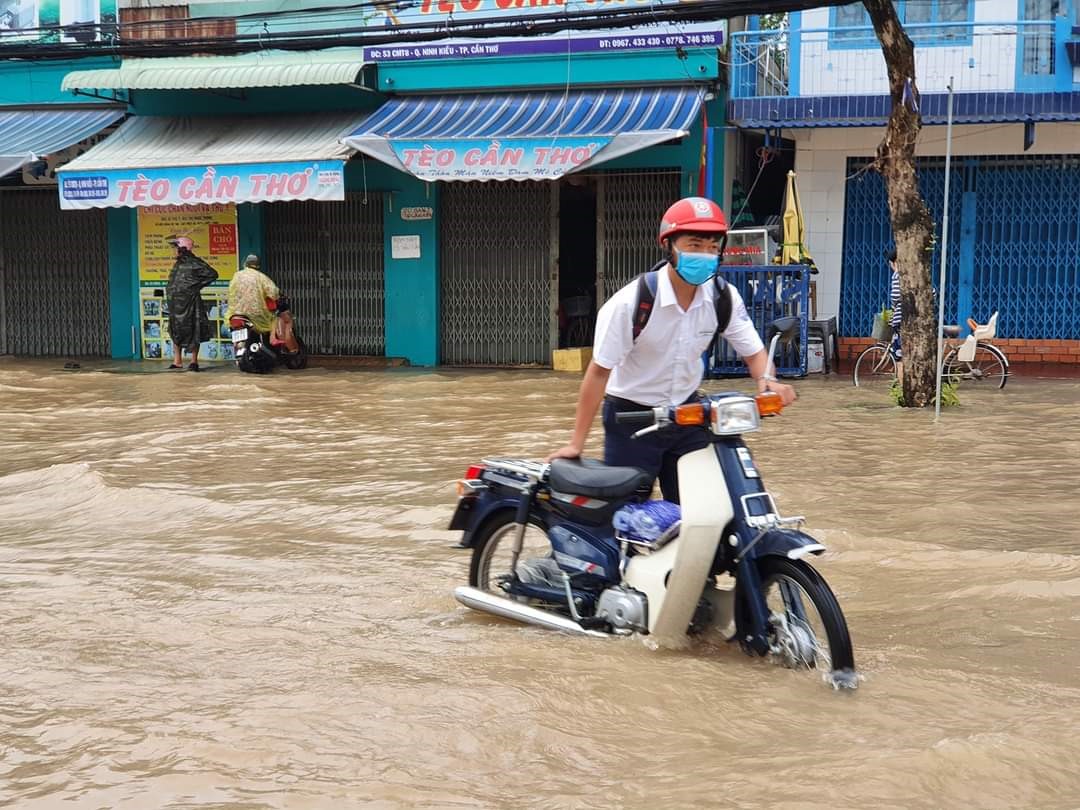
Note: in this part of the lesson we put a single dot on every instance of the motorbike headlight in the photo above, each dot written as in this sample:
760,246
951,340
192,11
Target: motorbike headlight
734,415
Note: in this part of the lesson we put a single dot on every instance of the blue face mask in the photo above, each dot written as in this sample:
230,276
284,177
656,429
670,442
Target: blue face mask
697,268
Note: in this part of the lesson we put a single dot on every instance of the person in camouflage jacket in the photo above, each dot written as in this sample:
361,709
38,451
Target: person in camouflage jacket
188,323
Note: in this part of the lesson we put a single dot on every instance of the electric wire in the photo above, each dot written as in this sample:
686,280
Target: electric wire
481,27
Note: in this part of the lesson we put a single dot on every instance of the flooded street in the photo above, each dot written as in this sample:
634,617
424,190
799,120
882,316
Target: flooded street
220,590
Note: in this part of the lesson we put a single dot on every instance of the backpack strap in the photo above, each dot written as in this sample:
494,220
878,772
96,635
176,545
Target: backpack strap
722,302
646,297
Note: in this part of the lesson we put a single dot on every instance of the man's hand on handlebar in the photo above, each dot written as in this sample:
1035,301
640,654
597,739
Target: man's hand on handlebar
786,392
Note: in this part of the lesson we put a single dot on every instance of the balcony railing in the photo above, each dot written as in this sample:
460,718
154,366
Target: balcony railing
979,56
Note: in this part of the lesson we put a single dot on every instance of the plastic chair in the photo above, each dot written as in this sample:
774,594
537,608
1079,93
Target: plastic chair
825,330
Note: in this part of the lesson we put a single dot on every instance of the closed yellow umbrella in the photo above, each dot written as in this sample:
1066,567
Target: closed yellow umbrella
793,250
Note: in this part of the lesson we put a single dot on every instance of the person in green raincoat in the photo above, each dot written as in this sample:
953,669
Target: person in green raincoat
188,323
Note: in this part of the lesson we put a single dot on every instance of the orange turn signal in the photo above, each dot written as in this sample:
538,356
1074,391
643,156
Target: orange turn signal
692,413
769,403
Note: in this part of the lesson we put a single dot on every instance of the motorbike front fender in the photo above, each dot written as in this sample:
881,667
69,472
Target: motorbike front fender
790,543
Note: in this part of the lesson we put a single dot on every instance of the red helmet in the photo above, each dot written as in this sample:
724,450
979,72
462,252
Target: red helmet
692,214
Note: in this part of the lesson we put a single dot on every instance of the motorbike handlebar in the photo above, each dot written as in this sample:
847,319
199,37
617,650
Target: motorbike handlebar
638,417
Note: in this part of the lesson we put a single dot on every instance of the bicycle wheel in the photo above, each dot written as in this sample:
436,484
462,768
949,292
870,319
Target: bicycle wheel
988,367
875,367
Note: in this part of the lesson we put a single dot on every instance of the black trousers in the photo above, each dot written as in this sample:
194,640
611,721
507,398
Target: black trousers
656,453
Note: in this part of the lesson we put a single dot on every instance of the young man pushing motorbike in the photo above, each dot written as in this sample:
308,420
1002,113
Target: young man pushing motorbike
636,367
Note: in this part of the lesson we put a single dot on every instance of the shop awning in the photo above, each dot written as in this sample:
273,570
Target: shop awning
522,136
259,69
26,135
154,160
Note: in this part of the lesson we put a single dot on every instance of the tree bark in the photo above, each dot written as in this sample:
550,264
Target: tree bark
913,228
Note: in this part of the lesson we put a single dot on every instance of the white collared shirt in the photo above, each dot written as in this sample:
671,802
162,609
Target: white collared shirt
664,365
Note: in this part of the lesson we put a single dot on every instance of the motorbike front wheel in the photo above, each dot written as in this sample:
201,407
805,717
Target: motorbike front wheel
493,552
807,629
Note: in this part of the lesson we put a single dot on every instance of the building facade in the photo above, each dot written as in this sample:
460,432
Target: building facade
435,201
1014,203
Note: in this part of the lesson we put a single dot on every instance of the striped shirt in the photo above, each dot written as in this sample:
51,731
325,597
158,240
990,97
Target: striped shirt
894,294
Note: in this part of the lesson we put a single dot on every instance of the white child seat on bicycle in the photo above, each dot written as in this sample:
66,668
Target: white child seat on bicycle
987,331
981,332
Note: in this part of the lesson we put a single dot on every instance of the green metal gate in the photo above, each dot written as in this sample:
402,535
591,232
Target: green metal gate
54,277
496,270
629,207
328,258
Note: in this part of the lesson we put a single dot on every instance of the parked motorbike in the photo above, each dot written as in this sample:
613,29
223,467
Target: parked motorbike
577,546
259,353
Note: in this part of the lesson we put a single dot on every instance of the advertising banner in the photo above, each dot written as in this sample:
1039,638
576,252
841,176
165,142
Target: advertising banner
212,229
200,185
483,159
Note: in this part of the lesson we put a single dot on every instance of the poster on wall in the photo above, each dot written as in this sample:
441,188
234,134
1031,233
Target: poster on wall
57,20
154,325
212,228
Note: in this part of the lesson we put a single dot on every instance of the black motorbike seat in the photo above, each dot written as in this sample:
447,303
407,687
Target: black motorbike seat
593,479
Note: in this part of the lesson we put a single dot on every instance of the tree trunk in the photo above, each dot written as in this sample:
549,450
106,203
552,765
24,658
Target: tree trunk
913,229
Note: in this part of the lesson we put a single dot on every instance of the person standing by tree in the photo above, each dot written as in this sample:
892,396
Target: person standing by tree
897,319
188,323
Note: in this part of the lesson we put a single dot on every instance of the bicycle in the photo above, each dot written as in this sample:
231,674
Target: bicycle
972,359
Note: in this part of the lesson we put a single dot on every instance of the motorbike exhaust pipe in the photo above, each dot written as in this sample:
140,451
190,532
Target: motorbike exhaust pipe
500,606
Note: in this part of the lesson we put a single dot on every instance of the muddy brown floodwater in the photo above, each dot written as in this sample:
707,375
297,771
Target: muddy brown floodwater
220,590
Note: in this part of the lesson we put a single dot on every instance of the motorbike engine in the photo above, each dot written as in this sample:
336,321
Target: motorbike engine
624,609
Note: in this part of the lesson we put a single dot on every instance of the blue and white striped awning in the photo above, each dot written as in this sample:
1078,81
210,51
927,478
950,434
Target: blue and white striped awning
522,136
26,135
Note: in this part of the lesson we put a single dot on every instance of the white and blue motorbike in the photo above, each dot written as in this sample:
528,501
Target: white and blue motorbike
578,546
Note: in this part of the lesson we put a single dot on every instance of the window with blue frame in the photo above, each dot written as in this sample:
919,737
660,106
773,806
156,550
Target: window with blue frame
918,17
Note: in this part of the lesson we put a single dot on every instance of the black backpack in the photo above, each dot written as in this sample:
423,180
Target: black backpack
647,295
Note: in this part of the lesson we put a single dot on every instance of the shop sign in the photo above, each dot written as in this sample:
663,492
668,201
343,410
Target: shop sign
644,38
482,159
202,185
417,213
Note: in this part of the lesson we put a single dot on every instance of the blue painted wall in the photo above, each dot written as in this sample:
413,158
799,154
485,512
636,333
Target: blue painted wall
411,303
23,82
254,101
601,69
123,282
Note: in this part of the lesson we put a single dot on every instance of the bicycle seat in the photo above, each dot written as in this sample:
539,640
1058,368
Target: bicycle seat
951,330
594,479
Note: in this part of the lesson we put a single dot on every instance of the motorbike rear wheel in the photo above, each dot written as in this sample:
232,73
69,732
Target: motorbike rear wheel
493,551
807,629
